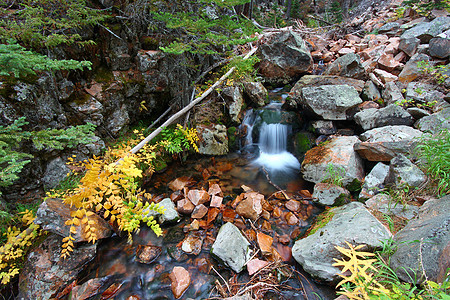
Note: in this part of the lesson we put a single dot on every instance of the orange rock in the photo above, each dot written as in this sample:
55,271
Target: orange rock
212,214
198,196
265,214
216,201
291,219
180,281
387,62
199,212
293,205
185,206
276,212
215,189
266,226
180,183
229,215
265,242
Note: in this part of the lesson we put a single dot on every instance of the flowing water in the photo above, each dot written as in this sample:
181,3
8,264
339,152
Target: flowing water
263,162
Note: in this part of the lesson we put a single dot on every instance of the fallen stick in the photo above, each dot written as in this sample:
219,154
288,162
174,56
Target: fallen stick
160,117
187,107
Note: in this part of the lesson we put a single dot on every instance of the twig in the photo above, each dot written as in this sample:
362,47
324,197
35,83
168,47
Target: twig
319,19
160,117
239,293
107,29
226,283
275,185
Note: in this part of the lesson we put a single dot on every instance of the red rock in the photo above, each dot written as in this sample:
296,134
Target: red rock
368,104
360,47
215,189
95,89
206,174
285,252
146,254
251,206
265,214
111,291
184,206
328,56
224,167
293,205
180,281
177,195
305,193
387,62
284,239
276,212
255,265
229,215
370,65
216,201
354,39
400,57
338,45
291,219
88,289
266,226
265,242
236,201
194,226
212,214
203,265
198,196
180,183
199,212
133,297
385,76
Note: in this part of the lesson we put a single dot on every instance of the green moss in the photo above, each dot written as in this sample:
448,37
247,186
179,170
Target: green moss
103,74
303,142
231,132
322,220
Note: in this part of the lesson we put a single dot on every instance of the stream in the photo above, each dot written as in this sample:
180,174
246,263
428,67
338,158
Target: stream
263,162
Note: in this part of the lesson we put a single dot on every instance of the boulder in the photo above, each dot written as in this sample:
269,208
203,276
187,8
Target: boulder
417,113
440,47
331,102
436,122
53,214
257,93
213,139
338,152
424,244
370,92
348,65
389,115
45,273
374,181
235,102
318,80
390,29
330,194
231,247
323,127
411,71
392,93
170,214
403,173
422,92
392,207
352,223
283,56
425,31
382,144
409,45
55,172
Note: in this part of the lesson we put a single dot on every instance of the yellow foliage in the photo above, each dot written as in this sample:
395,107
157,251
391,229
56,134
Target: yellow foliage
359,267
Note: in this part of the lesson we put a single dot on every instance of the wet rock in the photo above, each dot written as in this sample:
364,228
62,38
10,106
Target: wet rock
389,115
185,206
293,205
330,194
330,102
255,265
392,94
382,144
192,244
264,242
324,127
251,206
425,31
216,201
411,71
118,120
231,247
284,56
213,139
215,189
351,222
235,102
90,288
53,213
402,172
318,80
348,65
180,182
339,152
388,206
146,254
56,172
198,196
370,92
429,253
171,214
374,181
54,272
409,45
199,212
257,93
435,122
181,280
291,219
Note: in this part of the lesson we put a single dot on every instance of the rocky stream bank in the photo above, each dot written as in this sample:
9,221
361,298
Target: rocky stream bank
359,103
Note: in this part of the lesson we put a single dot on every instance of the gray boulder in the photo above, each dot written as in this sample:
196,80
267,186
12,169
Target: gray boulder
409,45
339,153
392,93
348,65
370,92
235,102
425,31
389,115
423,245
330,194
352,223
331,102
435,122
231,247
417,113
383,143
56,172
170,214
422,92
402,172
283,56
391,207
374,181
213,139
440,47
318,80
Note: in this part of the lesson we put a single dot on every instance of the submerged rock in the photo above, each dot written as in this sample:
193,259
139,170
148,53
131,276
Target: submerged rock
231,247
352,223
423,245
181,280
